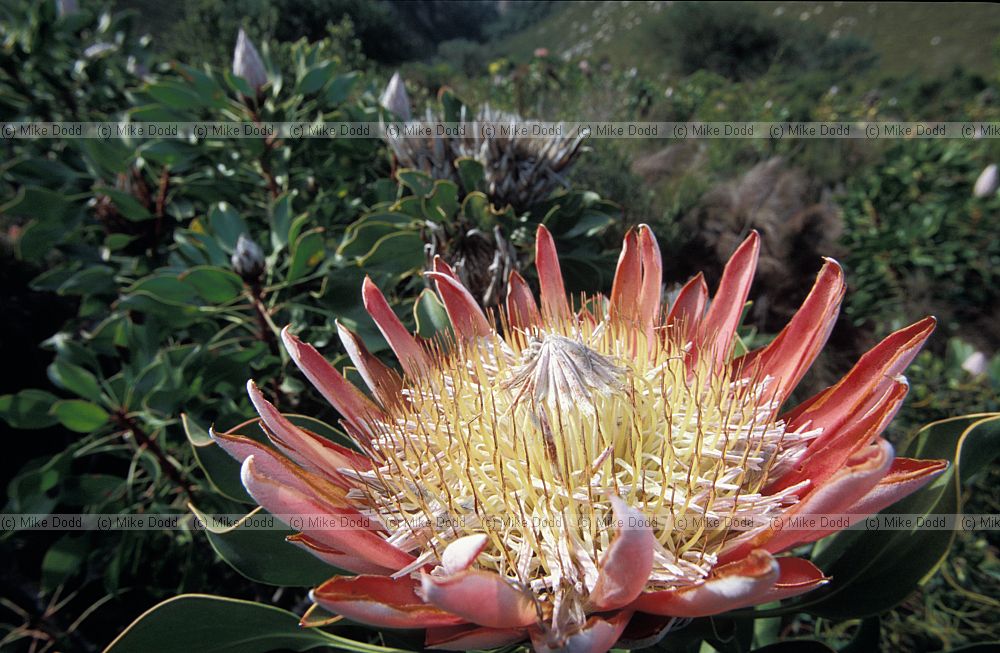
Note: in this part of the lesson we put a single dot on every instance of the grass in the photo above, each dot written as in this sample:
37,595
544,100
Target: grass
925,39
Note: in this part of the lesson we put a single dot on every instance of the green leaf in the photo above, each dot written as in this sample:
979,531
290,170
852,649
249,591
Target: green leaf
420,184
307,252
430,315
341,87
164,287
873,571
442,204
28,409
127,205
213,624
222,471
75,379
281,221
176,95
80,416
214,285
402,252
316,78
471,173
227,225
64,559
260,552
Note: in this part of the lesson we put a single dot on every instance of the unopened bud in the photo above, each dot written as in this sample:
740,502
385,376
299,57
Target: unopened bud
988,181
975,364
247,62
248,259
66,7
395,99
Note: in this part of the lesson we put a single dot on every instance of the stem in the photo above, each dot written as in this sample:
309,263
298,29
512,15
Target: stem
265,332
269,145
173,472
161,203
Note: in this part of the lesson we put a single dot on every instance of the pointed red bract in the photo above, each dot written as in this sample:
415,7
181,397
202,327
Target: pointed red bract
555,306
791,353
689,307
382,381
342,395
864,384
410,354
628,281
382,602
522,311
652,280
719,326
466,317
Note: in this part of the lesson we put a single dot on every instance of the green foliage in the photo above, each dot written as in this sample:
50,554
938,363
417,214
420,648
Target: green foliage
915,237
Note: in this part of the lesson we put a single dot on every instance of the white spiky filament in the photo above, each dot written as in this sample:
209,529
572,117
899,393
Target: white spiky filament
528,439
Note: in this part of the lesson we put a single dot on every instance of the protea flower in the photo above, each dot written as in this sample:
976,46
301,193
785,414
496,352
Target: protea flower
519,171
537,476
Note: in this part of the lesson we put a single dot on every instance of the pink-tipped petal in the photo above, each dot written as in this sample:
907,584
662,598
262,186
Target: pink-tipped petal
468,638
598,635
440,265
689,307
382,381
281,470
905,476
628,281
460,554
381,602
796,576
821,462
348,530
791,353
555,306
410,354
480,597
466,317
719,326
306,448
625,567
735,585
342,395
652,279
335,558
522,311
837,495
867,381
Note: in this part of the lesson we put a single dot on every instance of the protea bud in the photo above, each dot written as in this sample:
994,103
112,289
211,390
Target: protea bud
247,62
395,99
987,182
248,260
482,260
574,478
67,7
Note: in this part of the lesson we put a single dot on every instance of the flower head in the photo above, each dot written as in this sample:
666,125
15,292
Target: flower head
549,473
247,62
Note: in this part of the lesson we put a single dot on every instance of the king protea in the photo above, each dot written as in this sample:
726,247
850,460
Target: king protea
540,474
